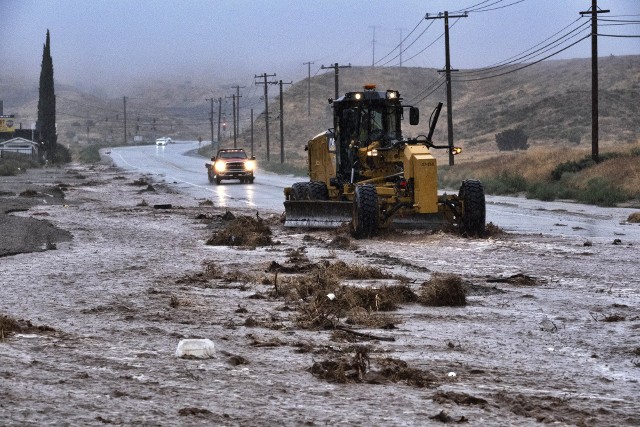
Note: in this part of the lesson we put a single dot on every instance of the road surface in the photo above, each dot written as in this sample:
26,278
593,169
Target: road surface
178,164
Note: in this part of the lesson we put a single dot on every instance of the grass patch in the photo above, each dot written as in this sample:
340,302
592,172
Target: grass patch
549,174
284,168
361,368
15,166
634,218
505,183
573,166
242,231
443,291
601,192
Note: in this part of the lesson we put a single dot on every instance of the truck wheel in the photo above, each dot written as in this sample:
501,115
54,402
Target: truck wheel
251,179
318,191
473,219
365,211
299,191
218,180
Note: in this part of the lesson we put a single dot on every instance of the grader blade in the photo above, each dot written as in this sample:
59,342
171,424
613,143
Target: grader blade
420,221
317,213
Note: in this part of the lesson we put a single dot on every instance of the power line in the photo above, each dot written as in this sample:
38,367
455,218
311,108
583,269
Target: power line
524,66
400,44
517,59
431,92
496,8
617,35
412,43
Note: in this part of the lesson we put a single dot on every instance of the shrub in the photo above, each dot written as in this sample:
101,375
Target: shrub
90,154
505,183
60,155
512,139
601,192
573,166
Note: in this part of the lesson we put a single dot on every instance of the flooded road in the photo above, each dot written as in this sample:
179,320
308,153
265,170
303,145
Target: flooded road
180,165
550,332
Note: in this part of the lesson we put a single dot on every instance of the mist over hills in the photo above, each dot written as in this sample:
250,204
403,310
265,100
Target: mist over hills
551,101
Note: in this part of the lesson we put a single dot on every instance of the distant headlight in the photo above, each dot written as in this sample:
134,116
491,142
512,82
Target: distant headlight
372,153
249,165
219,166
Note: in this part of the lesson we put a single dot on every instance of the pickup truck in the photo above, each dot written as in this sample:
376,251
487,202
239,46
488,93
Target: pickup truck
163,141
231,163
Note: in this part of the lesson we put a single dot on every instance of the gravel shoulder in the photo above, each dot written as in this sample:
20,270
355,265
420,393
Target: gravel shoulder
104,276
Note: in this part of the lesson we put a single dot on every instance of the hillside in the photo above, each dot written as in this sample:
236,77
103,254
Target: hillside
550,100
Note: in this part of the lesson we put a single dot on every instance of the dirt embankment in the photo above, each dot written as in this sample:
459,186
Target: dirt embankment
310,327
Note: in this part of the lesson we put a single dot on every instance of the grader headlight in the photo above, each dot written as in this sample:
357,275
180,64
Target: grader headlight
372,153
456,150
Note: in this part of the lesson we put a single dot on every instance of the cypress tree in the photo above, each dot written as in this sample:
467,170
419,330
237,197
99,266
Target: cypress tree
47,102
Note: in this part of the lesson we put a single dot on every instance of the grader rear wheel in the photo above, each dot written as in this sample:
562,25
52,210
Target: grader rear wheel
365,211
473,219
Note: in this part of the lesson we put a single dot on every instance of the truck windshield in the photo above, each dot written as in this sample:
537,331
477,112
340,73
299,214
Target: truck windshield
232,155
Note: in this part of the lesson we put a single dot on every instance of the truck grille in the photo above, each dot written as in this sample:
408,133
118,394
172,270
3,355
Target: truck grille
235,167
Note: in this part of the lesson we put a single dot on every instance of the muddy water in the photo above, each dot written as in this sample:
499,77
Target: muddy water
117,299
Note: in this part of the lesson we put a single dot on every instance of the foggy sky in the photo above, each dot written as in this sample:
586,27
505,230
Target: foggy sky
103,42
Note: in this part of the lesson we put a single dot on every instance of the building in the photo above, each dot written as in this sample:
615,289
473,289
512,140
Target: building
20,146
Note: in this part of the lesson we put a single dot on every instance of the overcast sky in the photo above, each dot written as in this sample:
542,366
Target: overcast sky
101,42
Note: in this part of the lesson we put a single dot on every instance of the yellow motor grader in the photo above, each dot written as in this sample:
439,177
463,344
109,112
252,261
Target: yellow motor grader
364,172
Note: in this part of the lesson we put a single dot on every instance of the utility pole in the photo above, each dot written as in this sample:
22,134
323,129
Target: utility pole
594,76
219,119
336,69
233,96
282,122
237,87
252,132
211,121
266,104
448,71
124,99
373,44
308,64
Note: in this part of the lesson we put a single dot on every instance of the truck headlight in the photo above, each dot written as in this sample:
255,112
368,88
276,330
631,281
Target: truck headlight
372,153
249,165
219,167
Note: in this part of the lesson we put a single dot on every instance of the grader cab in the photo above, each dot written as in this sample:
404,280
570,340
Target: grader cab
365,173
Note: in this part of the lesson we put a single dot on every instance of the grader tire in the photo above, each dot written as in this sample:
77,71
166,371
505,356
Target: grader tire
300,191
365,211
318,191
473,218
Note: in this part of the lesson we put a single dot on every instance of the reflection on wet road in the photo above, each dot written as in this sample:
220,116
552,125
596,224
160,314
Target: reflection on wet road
178,164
